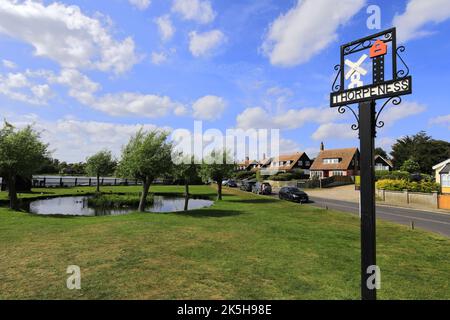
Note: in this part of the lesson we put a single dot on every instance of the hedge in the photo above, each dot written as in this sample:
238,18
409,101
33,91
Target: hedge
412,186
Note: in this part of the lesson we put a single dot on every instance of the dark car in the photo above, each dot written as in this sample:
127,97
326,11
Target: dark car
293,194
262,188
247,185
232,184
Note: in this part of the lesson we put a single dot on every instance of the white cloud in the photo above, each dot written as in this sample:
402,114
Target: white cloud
255,117
86,137
441,120
209,108
259,118
165,27
140,4
203,44
22,87
406,109
67,36
418,14
136,104
9,64
390,116
306,29
197,10
159,57
334,131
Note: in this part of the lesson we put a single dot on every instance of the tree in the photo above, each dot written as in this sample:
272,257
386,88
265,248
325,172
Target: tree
187,170
21,154
217,166
426,151
100,164
146,157
410,166
381,152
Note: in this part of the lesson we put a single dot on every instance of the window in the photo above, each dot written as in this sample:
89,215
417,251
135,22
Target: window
445,180
337,173
331,161
307,163
300,163
316,174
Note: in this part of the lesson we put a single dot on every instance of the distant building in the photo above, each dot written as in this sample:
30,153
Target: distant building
382,164
442,171
336,162
247,165
286,163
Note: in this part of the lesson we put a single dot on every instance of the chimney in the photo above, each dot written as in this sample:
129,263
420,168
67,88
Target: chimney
322,146
264,156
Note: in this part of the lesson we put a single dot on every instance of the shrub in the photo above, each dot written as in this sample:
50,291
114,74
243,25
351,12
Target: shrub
109,201
282,177
414,186
241,175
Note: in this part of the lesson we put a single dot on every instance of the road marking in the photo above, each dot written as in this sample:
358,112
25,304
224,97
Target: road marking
391,214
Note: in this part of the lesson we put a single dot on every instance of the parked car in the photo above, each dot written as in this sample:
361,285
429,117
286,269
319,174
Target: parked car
247,185
293,194
262,188
232,184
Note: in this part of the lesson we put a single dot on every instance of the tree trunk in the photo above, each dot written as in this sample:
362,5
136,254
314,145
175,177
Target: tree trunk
145,188
98,183
12,193
219,189
186,188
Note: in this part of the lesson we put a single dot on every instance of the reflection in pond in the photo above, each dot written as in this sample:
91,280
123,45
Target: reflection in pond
78,206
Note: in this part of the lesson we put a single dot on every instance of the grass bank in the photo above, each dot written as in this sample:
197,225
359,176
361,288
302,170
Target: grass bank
244,247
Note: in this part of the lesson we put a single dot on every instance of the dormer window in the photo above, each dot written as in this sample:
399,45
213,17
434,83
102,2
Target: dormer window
331,161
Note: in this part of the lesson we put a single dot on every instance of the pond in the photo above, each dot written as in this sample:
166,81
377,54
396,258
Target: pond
78,206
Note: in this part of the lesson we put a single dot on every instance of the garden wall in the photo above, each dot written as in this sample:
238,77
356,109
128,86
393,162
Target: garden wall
426,200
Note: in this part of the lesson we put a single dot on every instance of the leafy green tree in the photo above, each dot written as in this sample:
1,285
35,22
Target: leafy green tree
21,154
410,166
186,170
217,167
100,164
146,157
423,149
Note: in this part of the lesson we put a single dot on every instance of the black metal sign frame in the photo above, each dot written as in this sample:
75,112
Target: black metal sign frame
387,36
368,121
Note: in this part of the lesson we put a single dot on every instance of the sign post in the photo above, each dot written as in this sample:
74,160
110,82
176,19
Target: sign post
350,89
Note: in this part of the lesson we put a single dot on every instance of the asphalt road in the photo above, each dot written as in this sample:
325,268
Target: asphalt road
431,221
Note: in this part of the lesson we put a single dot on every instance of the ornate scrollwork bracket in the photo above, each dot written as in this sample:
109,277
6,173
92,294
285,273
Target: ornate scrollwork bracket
343,109
404,71
379,123
336,84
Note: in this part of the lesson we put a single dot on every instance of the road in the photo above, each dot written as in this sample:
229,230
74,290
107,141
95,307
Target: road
431,221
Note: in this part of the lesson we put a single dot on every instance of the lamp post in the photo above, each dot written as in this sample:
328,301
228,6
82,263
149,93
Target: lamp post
348,89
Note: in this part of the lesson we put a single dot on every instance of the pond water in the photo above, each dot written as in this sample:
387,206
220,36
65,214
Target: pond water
78,206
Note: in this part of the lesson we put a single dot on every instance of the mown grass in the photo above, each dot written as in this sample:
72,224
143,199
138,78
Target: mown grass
244,247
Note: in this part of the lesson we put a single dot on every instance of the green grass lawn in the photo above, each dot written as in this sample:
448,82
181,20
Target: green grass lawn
244,247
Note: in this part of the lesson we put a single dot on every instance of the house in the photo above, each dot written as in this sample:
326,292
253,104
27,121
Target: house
286,163
336,162
382,164
442,171
247,165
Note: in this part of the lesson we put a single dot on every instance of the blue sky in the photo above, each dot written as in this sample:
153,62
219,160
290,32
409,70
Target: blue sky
89,73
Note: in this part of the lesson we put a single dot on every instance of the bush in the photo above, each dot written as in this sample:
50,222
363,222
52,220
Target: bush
282,177
400,185
241,175
108,201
